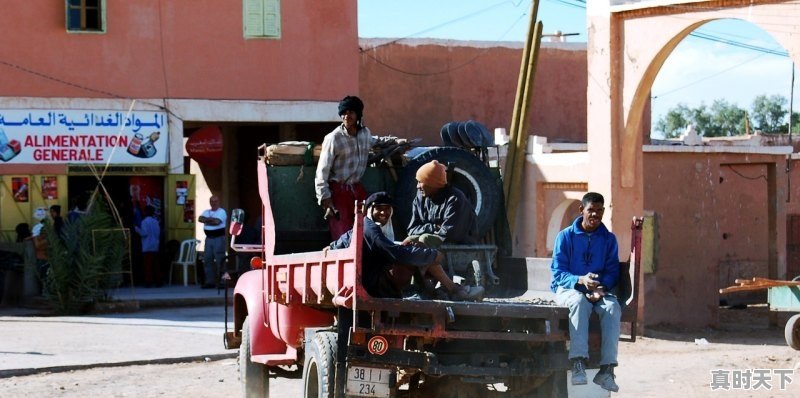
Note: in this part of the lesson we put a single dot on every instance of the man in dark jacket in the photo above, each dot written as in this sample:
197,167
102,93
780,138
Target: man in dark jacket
440,213
585,268
387,266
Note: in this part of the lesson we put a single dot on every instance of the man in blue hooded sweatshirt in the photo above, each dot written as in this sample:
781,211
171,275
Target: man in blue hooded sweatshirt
585,268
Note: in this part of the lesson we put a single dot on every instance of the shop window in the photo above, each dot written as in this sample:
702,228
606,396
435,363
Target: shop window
86,15
262,19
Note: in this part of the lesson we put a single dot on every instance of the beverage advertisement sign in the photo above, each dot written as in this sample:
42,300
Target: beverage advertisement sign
80,136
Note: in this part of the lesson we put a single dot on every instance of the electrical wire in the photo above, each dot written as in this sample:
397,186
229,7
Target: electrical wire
461,18
448,70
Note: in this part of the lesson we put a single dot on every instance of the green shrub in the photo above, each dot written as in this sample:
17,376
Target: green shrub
85,260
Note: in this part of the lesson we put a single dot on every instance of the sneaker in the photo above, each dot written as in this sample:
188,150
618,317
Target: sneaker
468,293
579,372
605,378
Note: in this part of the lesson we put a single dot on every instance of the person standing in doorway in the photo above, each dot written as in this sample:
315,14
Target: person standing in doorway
214,219
151,236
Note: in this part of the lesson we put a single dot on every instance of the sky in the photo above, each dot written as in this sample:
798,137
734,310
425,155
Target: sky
697,72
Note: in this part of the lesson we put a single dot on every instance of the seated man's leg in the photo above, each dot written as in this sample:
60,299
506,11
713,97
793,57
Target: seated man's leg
579,311
432,241
610,313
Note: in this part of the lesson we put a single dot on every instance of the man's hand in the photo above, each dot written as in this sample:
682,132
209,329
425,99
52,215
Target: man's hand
589,280
325,251
596,294
330,210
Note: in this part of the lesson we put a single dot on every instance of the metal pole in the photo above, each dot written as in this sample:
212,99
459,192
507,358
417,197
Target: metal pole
789,158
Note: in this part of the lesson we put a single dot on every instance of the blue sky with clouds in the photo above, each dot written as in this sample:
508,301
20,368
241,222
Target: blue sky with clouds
698,71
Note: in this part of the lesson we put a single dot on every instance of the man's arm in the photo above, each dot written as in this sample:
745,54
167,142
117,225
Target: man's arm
610,276
398,254
324,166
418,224
560,267
209,220
456,224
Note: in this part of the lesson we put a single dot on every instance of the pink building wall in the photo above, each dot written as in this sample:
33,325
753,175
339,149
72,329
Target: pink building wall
413,87
182,49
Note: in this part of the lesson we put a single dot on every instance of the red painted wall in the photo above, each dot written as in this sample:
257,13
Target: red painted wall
712,227
196,46
413,87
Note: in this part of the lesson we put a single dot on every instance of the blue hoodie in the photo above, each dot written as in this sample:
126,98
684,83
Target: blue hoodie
578,252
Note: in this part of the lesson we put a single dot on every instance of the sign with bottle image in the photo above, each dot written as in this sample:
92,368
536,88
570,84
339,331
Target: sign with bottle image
81,136
19,188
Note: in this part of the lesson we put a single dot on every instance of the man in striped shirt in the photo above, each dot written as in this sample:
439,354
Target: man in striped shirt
342,163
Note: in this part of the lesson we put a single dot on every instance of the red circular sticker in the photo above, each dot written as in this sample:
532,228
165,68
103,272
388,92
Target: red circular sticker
378,345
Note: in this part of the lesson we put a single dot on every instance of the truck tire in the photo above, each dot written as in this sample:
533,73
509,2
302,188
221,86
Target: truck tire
451,387
254,376
553,386
792,332
470,176
319,370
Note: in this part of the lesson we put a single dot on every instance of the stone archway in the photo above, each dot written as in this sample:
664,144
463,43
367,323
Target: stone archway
628,44
554,225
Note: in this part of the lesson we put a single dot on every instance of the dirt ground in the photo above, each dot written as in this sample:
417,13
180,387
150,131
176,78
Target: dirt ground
666,363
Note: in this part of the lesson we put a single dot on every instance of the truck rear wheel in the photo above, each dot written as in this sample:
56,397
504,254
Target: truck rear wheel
254,376
451,387
553,386
319,370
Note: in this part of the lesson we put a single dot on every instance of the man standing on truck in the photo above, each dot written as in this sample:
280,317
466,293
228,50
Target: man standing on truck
214,228
585,268
342,163
388,266
440,212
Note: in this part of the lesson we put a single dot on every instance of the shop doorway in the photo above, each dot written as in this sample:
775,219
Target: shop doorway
130,195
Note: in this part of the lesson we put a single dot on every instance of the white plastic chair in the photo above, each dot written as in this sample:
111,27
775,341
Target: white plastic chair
187,257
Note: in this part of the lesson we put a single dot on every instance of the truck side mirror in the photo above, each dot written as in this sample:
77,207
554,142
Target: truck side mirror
237,222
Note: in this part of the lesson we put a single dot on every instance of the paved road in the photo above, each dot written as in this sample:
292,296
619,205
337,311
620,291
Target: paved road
34,343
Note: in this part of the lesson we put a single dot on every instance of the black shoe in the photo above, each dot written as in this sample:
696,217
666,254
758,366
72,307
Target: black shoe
605,378
579,372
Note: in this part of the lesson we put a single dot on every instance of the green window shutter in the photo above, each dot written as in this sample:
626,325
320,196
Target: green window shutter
272,18
262,18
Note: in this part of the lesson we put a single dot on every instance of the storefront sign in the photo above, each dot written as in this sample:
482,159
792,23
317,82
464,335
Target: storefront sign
71,136
205,146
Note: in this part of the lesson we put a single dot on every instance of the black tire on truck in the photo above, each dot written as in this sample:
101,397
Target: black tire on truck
254,376
470,176
319,370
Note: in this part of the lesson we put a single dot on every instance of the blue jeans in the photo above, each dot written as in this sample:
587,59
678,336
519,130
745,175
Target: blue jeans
214,259
580,308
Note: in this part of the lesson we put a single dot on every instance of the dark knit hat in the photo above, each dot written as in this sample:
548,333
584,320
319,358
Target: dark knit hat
351,103
378,198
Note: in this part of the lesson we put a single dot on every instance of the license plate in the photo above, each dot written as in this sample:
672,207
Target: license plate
368,382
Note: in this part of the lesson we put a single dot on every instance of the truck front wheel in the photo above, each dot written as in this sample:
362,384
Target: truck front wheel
319,370
254,377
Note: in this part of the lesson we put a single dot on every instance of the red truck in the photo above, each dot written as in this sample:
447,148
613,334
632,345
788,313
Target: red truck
309,310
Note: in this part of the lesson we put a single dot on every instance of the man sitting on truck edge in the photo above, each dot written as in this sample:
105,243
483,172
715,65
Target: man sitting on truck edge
440,212
388,266
585,268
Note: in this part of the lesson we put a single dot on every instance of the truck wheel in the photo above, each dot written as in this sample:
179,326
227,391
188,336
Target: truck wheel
792,332
254,377
451,387
470,176
552,386
319,370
